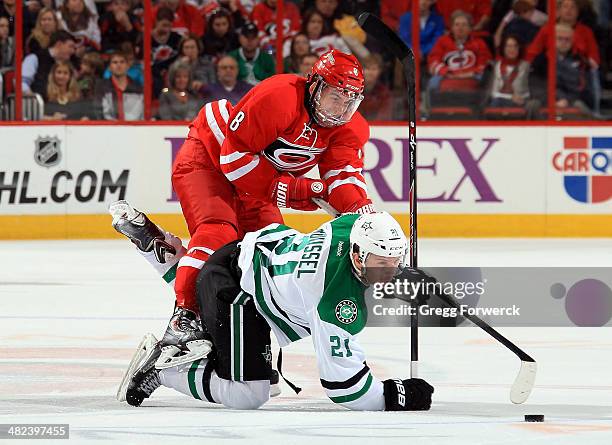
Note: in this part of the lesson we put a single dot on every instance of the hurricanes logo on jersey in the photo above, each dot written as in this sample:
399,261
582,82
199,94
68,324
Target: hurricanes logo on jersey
346,311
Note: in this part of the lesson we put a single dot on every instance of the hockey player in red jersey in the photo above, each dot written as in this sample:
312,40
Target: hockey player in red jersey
239,165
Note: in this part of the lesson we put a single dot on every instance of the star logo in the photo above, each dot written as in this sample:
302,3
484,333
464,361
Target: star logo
367,225
267,354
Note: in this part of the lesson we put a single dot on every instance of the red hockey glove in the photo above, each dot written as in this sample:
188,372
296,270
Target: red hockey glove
306,206
291,192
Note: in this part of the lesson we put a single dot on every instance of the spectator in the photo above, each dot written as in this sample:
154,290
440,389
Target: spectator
119,97
298,47
584,39
459,58
202,66
63,95
458,55
78,20
377,103
228,86
36,67
7,45
164,47
90,73
521,21
392,10
343,25
254,65
431,26
220,37
186,19
179,102
313,26
237,9
90,4
119,25
510,87
135,67
46,25
573,82
307,61
264,17
8,10
480,10
335,21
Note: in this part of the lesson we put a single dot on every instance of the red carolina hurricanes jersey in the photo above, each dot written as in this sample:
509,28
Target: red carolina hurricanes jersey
270,131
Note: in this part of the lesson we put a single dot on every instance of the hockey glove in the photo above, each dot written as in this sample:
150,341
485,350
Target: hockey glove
307,205
362,207
414,275
407,395
297,193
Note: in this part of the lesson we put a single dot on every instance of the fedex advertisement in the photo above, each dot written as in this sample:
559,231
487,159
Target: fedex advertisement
493,172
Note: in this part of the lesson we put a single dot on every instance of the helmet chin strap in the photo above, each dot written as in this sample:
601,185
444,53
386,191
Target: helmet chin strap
360,272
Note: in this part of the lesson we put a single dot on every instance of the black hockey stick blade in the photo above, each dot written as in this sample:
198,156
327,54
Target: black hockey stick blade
375,27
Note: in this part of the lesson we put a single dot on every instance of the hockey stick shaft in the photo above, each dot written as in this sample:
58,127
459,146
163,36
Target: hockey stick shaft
375,27
451,301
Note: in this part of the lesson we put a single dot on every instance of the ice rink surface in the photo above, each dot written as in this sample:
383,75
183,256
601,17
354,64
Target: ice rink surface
72,313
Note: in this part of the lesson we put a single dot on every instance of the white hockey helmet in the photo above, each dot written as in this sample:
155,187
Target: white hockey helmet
379,234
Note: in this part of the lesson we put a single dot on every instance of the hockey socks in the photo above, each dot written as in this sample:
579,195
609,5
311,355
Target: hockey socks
200,381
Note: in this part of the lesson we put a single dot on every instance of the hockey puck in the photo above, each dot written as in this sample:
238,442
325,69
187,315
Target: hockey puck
534,417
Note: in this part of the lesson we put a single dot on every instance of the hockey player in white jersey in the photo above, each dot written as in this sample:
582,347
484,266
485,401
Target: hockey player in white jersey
295,285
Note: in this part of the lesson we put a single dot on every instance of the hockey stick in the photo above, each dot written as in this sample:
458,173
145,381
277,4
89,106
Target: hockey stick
523,384
385,35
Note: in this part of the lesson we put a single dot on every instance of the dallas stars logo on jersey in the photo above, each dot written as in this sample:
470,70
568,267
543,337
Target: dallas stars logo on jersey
346,312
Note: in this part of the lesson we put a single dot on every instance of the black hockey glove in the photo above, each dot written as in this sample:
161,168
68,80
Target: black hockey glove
407,395
414,275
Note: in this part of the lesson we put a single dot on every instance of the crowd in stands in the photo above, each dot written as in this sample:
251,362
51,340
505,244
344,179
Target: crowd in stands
84,58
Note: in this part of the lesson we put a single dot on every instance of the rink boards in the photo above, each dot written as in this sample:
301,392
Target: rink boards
56,181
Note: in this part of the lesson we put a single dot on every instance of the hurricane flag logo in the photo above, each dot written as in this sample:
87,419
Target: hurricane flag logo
586,164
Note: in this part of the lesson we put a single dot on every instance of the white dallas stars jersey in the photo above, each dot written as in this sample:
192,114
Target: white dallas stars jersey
304,286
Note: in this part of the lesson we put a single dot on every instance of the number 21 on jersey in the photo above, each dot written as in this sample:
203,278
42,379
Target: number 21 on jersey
336,347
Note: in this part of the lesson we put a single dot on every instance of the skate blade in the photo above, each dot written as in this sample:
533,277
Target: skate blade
196,350
147,343
122,210
275,390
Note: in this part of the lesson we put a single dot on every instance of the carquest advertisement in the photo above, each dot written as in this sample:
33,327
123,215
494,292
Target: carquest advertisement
57,181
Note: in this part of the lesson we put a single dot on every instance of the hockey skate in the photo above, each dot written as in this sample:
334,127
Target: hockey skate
141,377
184,340
140,230
275,389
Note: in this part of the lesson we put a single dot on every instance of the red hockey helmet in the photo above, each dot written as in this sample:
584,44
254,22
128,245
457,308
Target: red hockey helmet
339,84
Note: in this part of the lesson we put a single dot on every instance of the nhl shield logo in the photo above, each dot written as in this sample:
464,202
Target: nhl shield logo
47,151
